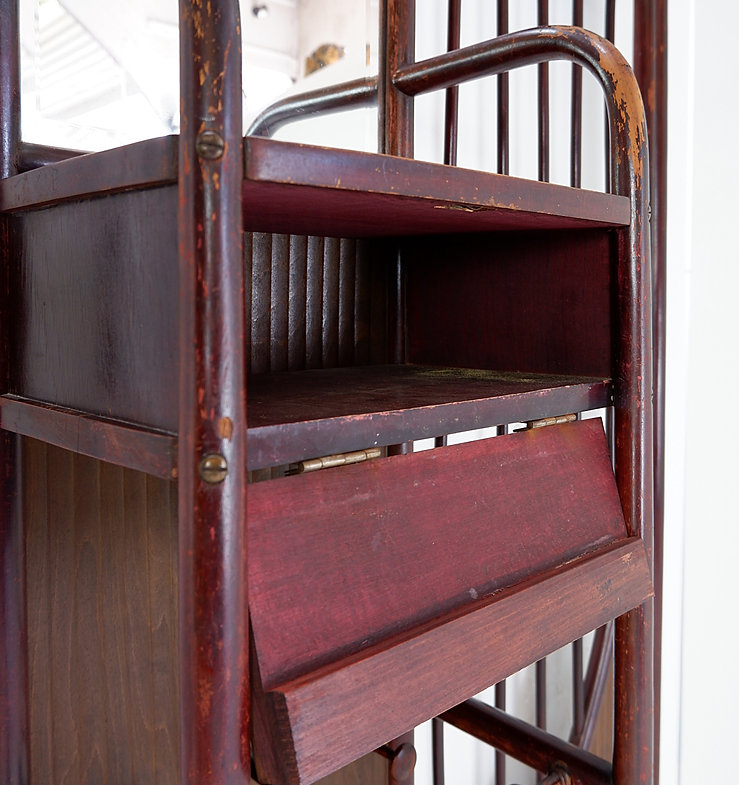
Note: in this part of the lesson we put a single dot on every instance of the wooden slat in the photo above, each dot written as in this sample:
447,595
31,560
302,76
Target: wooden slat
145,164
153,452
419,677
351,193
293,416
341,559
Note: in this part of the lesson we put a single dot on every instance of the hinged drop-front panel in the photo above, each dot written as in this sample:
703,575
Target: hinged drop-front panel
412,576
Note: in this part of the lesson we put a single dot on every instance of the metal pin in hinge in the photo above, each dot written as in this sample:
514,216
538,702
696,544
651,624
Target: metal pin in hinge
330,461
559,420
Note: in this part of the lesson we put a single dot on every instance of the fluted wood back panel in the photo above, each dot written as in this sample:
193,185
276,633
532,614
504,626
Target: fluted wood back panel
314,302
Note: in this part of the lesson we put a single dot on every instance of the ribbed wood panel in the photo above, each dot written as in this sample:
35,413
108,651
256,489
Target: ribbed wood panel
314,302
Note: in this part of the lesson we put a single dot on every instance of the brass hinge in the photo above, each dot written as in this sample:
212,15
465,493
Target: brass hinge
331,461
559,420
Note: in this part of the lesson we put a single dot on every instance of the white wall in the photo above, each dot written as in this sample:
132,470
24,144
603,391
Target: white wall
710,259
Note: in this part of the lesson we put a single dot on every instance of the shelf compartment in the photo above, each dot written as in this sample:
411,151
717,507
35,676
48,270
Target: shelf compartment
417,580
306,414
298,415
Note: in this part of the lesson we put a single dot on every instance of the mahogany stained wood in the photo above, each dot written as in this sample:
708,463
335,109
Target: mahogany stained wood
146,164
299,188
537,302
293,416
341,559
153,452
420,676
100,545
93,323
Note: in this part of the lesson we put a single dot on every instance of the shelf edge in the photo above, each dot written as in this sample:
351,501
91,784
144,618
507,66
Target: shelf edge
146,164
274,445
123,444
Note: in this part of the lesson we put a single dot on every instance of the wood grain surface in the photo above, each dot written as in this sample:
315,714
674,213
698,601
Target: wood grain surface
102,621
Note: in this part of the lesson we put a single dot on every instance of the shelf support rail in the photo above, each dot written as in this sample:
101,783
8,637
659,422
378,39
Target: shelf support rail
629,163
213,622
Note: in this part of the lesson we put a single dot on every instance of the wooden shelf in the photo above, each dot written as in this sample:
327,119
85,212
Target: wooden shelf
316,190
304,189
305,414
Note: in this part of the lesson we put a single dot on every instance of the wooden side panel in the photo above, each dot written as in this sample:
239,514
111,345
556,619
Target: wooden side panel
537,302
95,310
101,560
345,558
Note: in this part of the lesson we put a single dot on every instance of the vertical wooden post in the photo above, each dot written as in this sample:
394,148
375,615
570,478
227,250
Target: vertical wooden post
650,66
13,678
213,640
633,755
397,48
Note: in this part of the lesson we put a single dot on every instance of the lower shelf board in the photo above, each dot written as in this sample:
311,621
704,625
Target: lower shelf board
294,416
384,593
307,414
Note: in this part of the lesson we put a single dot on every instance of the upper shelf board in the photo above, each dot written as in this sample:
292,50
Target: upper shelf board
317,190
303,189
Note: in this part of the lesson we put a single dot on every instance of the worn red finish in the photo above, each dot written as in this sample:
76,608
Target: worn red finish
300,191
397,44
650,66
451,102
213,666
152,452
633,757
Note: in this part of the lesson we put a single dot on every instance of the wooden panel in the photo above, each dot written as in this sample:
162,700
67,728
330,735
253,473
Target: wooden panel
293,416
342,559
102,621
413,678
94,321
534,303
300,188
314,302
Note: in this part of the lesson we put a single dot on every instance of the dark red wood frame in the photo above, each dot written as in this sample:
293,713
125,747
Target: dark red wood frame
212,406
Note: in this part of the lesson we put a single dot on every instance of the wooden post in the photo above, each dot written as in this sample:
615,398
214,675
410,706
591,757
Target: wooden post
13,680
214,668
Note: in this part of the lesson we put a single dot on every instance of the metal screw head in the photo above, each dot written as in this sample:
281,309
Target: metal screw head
210,145
213,468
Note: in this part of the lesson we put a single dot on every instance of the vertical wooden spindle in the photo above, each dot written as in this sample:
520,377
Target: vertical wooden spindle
451,104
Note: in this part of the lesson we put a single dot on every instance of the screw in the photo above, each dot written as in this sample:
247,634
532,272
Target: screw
213,468
210,145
